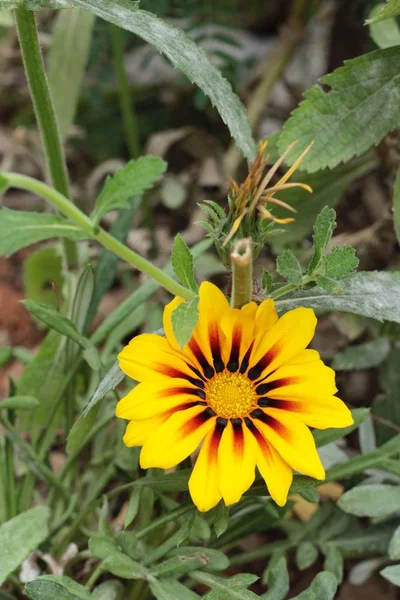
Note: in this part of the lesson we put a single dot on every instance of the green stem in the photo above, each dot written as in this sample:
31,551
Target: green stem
291,287
44,110
105,239
129,119
242,273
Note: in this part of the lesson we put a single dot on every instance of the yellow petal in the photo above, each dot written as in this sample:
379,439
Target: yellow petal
282,342
203,482
278,475
292,439
137,432
237,456
321,413
266,316
301,380
149,399
150,357
167,324
238,327
176,439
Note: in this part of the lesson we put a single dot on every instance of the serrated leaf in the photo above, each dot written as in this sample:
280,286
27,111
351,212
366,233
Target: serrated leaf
182,262
358,111
372,294
363,356
49,587
306,555
341,261
69,53
132,180
389,10
323,587
184,320
186,56
289,267
19,229
384,33
392,574
323,229
278,581
374,500
20,536
394,546
65,326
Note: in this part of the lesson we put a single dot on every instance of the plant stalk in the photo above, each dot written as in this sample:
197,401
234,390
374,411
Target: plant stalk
242,273
105,239
44,111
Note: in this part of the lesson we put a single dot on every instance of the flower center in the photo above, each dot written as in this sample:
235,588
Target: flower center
230,395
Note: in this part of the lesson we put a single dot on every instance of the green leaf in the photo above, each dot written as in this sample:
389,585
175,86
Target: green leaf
392,574
69,53
19,229
266,282
182,262
20,403
278,581
20,536
186,56
80,430
363,356
311,495
171,589
109,590
385,34
396,206
334,563
216,560
221,520
306,555
184,320
49,587
233,588
323,587
323,228
387,405
5,355
115,561
288,266
341,261
374,500
177,566
394,545
109,382
42,270
132,180
389,10
80,306
351,117
374,294
328,188
133,506
35,4
63,325
328,284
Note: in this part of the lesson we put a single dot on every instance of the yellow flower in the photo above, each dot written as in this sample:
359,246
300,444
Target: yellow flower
244,389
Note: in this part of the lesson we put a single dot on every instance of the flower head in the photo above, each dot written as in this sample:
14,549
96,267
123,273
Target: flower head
244,390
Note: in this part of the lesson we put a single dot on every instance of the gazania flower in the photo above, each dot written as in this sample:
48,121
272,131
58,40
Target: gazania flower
244,390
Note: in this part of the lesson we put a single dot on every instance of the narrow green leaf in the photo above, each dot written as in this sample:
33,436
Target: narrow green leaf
389,10
19,229
384,33
374,500
177,566
334,563
221,520
80,306
49,587
306,555
171,589
363,356
323,587
69,53
133,506
374,294
132,180
323,228
216,560
109,382
349,118
394,546
266,281
289,267
341,261
20,536
392,574
396,206
20,403
278,581
311,495
80,430
182,262
115,561
186,56
184,320
234,587
63,325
